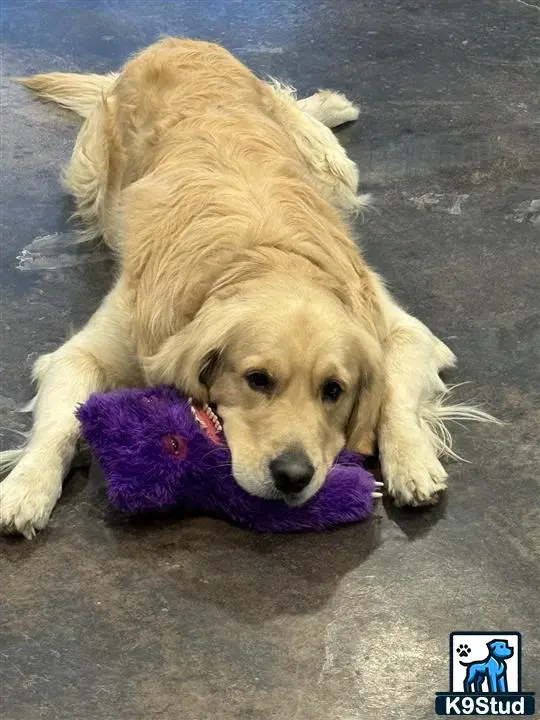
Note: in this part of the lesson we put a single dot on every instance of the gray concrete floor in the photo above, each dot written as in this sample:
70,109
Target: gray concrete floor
105,619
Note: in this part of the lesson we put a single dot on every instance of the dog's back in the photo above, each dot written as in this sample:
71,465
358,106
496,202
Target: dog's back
190,98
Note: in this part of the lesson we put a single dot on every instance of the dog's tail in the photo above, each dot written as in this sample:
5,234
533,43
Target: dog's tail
75,91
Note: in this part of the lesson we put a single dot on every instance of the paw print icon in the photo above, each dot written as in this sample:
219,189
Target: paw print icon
463,650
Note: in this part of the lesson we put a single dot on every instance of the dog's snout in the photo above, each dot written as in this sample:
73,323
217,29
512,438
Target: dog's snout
291,471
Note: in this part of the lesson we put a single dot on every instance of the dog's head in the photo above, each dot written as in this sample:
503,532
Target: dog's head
500,649
294,378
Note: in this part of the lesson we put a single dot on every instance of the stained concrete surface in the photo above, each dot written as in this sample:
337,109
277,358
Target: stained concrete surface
106,619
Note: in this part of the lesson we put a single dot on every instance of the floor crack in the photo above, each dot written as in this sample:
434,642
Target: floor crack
536,7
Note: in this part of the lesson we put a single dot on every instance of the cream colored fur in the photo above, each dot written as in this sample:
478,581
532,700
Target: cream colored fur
224,198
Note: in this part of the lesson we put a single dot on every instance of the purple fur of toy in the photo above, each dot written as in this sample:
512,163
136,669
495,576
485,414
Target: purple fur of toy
125,430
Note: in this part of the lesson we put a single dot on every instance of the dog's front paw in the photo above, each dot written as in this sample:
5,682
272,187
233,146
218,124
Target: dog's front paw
412,472
28,496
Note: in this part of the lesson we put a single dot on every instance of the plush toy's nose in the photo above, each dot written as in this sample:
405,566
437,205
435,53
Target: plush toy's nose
291,471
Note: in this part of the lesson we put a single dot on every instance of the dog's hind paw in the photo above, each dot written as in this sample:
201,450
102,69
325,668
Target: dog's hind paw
329,107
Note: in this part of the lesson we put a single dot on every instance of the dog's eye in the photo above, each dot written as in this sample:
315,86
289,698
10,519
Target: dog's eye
331,391
260,381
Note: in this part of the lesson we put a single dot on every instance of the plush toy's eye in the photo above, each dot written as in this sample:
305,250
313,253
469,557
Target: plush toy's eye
260,381
331,391
175,445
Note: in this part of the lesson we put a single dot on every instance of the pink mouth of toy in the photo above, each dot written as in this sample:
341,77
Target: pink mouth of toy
208,421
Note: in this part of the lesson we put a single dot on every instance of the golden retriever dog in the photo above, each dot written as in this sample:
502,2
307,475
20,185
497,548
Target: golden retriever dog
225,199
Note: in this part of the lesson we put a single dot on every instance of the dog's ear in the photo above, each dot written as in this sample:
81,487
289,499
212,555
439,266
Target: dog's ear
364,417
209,366
192,358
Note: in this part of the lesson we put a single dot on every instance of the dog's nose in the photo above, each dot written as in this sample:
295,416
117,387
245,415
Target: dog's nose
291,471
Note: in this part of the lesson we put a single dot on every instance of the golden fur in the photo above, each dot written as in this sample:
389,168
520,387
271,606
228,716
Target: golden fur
229,248
223,197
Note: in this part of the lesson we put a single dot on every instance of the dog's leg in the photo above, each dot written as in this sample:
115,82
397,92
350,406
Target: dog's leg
94,174
330,108
467,683
411,433
478,684
96,358
491,674
411,468
334,174
327,106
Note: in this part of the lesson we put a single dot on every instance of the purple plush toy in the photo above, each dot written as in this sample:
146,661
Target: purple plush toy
158,451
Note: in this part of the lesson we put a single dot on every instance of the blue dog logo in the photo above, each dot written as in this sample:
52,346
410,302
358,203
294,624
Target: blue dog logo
488,686
492,668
